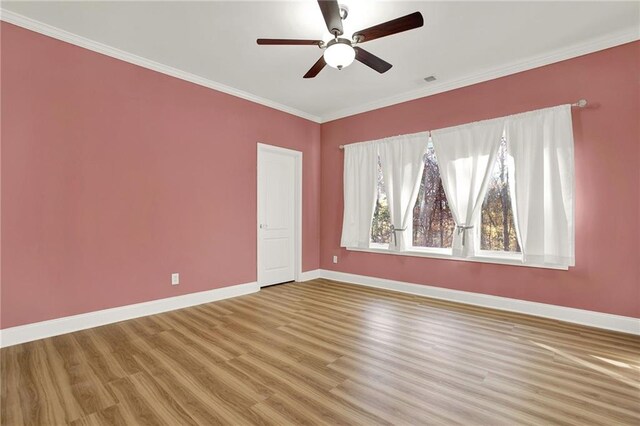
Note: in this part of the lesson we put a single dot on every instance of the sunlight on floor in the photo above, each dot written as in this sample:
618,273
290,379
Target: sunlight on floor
612,374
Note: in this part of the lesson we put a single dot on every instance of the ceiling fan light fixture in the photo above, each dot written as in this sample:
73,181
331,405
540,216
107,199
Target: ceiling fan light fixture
339,54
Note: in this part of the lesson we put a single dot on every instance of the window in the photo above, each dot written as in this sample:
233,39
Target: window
497,230
540,150
381,225
433,224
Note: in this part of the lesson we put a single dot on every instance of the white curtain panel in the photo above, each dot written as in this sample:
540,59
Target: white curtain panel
402,160
360,184
542,188
466,155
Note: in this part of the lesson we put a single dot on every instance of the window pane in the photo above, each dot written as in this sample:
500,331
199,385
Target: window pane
433,224
381,225
498,232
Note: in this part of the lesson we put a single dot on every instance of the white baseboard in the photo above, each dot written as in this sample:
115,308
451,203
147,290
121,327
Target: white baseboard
310,275
578,316
40,330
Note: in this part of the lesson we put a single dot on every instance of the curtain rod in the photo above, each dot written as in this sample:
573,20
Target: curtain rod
580,104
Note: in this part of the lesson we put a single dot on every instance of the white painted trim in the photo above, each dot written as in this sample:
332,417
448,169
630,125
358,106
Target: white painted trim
579,49
309,275
297,156
66,36
561,313
485,256
40,330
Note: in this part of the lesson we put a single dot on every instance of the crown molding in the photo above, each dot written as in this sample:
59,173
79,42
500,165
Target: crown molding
590,46
579,49
59,34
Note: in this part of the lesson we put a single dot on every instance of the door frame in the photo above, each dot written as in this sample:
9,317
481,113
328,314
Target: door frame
297,202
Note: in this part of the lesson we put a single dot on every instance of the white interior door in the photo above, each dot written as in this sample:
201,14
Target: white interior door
276,216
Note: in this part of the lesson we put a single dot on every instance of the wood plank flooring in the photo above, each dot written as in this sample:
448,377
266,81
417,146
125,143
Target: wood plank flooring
323,352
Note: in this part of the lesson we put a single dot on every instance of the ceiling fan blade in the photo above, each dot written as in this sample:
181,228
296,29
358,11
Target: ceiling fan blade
286,41
388,28
331,13
316,68
371,60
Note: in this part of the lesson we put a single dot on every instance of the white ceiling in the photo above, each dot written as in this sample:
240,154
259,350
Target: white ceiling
461,43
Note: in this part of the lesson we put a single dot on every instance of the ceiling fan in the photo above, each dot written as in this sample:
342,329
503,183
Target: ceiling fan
340,52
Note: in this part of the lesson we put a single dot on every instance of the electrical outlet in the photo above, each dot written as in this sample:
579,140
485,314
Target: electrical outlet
175,279
335,259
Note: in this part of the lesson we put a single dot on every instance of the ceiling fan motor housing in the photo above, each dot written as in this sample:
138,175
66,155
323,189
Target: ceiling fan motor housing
344,11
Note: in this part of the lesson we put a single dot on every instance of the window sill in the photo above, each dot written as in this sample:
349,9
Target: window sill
484,257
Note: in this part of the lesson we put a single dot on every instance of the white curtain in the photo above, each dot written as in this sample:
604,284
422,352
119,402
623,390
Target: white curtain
466,155
542,188
360,184
402,160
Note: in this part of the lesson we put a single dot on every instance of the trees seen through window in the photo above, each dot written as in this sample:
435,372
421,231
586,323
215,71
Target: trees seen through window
497,230
433,224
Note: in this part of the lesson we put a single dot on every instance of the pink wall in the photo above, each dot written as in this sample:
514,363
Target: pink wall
607,145
114,176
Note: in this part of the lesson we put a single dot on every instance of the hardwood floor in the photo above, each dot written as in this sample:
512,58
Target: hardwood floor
326,353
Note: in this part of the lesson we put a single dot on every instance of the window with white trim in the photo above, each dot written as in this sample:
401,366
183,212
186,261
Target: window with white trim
381,224
497,228
433,225
487,176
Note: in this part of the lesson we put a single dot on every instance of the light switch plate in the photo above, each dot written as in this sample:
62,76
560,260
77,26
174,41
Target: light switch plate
175,279
335,259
